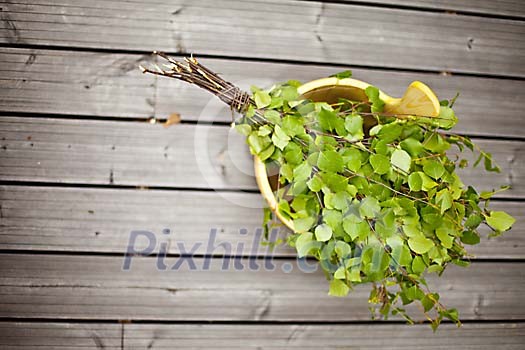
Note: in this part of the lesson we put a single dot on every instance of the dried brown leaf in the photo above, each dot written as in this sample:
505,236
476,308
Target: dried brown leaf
173,119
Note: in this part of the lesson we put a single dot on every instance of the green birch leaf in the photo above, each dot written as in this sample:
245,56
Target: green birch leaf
267,153
243,129
487,161
355,275
340,200
250,111
473,221
293,154
418,265
373,96
277,102
411,230
292,126
412,146
352,157
434,169
499,220
380,163
333,218
420,244
444,199
401,161
264,130
453,315
329,121
262,98
369,207
480,157
302,172
343,249
315,184
354,226
289,93
303,224
258,143
435,143
444,237
294,83
352,190
323,232
340,273
335,182
304,244
375,130
338,288
428,302
446,119
380,147
390,132
343,74
272,116
279,138
286,172
414,293
351,226
372,92
428,183
415,182
354,126
489,194
470,237
330,161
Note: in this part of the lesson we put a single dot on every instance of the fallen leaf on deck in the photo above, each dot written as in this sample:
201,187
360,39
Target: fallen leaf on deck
174,118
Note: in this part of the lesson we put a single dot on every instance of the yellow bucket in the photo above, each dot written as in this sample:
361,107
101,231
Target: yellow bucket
418,99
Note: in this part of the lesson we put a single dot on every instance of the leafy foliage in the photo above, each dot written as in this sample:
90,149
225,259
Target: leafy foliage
382,205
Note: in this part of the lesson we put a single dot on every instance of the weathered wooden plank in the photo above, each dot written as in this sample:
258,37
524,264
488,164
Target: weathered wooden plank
312,31
377,336
101,220
505,336
97,84
124,153
55,336
47,81
95,220
84,287
514,8
197,156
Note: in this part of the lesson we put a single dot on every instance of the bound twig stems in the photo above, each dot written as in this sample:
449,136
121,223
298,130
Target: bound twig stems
191,71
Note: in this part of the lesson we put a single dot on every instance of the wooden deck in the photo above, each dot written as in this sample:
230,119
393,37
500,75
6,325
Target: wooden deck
82,165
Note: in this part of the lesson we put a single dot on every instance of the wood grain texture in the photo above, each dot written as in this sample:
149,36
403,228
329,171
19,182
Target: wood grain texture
305,31
54,336
84,287
514,8
97,220
58,336
195,156
109,85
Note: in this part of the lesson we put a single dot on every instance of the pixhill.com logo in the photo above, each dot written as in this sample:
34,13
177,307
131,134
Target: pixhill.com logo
199,256
170,254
